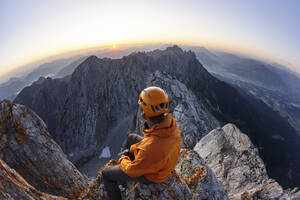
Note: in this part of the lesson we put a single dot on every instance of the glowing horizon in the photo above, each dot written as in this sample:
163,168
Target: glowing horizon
117,45
32,30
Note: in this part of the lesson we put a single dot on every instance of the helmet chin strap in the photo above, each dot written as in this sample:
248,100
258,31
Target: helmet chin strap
148,122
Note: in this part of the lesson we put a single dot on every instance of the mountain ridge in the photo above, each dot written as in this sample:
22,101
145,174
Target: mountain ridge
101,95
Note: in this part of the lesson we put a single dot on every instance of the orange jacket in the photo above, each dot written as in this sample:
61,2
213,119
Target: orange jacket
157,154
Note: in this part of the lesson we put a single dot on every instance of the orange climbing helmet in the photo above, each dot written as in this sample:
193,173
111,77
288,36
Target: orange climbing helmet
154,101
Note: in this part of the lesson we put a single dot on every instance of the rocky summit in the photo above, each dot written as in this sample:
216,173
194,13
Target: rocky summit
224,165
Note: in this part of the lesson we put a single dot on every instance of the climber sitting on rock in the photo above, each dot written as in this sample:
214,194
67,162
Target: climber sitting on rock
150,159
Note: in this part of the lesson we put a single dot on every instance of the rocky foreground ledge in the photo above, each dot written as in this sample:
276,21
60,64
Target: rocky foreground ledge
224,165
27,147
236,163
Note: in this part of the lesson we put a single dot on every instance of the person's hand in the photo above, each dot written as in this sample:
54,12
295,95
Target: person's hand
126,152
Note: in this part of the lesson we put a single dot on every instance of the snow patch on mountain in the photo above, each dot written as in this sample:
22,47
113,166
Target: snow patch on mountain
105,153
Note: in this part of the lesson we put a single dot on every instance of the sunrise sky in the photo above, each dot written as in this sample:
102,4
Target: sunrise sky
34,29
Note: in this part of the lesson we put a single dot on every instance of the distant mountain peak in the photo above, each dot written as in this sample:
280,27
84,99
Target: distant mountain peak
92,59
40,80
174,48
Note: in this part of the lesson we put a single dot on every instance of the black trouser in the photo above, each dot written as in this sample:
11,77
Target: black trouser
113,174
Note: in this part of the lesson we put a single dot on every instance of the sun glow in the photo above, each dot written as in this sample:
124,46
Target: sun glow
50,30
114,46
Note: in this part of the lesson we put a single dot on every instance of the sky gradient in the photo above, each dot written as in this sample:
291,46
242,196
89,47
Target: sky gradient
33,29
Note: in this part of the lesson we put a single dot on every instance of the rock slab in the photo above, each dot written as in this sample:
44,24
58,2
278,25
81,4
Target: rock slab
201,180
27,147
13,186
236,163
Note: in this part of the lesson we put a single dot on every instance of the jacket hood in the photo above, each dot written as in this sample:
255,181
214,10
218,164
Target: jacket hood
164,129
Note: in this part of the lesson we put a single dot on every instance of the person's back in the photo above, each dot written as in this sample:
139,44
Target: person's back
150,159
156,155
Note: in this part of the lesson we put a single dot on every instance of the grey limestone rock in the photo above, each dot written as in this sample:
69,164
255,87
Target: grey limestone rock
232,156
27,147
172,188
13,186
236,163
201,180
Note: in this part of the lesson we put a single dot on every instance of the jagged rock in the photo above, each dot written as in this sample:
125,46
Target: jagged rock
270,190
199,177
26,146
236,163
233,158
294,194
13,186
172,188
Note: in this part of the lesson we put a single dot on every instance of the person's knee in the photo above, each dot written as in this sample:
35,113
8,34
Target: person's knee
131,136
105,173
111,173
